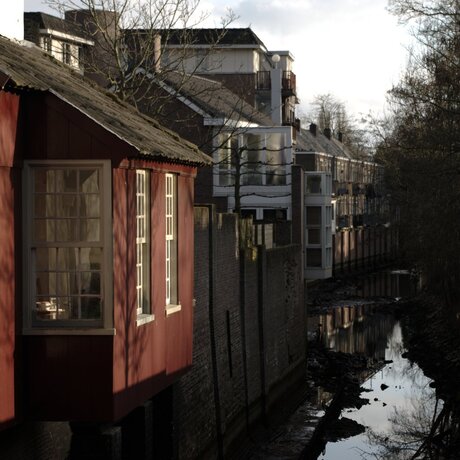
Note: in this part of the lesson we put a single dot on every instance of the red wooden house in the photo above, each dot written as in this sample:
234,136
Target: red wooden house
96,247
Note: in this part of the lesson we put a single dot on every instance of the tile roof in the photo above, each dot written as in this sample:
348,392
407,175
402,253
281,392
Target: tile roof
215,99
29,68
220,36
319,143
47,21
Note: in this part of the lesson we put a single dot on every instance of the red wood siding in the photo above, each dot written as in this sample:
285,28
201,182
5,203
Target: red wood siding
149,357
69,377
105,377
9,110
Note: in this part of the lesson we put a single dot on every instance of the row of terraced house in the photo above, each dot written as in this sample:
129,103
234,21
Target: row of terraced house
154,259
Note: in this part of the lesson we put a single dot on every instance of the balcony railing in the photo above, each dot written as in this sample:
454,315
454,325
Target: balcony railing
288,81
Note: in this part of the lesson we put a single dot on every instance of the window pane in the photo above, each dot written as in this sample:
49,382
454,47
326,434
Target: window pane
65,308
66,230
66,181
275,159
66,205
313,184
45,283
314,257
67,259
45,205
314,236
90,283
313,215
45,259
67,284
44,230
90,230
90,259
89,181
90,205
252,173
91,308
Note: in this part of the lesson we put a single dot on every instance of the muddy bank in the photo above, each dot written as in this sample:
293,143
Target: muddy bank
433,341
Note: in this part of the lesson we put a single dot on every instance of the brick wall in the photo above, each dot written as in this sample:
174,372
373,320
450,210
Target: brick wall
249,337
194,399
36,440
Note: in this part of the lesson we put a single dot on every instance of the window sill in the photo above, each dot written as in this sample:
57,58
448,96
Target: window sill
64,331
144,319
171,309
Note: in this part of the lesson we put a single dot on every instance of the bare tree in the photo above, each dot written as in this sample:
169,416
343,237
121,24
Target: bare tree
130,41
331,114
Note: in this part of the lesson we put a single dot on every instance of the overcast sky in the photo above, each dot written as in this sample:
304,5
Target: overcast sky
353,49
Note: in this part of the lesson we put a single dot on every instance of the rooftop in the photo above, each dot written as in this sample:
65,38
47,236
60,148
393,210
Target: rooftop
27,68
53,23
215,99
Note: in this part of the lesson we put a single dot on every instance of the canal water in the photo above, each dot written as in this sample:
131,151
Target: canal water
401,403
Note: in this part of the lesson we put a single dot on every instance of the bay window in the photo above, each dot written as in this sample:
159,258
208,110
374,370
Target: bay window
67,233
264,159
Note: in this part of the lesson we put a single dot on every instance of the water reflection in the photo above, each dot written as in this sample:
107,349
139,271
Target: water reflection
354,329
393,283
402,403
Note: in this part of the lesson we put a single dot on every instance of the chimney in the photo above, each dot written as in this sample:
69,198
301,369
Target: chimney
157,53
340,137
313,129
327,133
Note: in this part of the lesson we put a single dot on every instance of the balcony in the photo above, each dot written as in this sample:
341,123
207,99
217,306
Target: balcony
288,82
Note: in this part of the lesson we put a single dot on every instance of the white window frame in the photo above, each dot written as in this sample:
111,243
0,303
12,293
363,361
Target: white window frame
104,326
171,248
143,286
66,53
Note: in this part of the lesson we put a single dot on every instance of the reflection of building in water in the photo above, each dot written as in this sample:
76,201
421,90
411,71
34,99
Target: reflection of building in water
354,329
388,284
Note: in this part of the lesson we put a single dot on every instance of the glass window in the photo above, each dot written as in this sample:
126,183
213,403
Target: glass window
313,215
66,53
252,160
313,184
171,240
226,163
65,245
142,242
275,159
314,235
314,256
